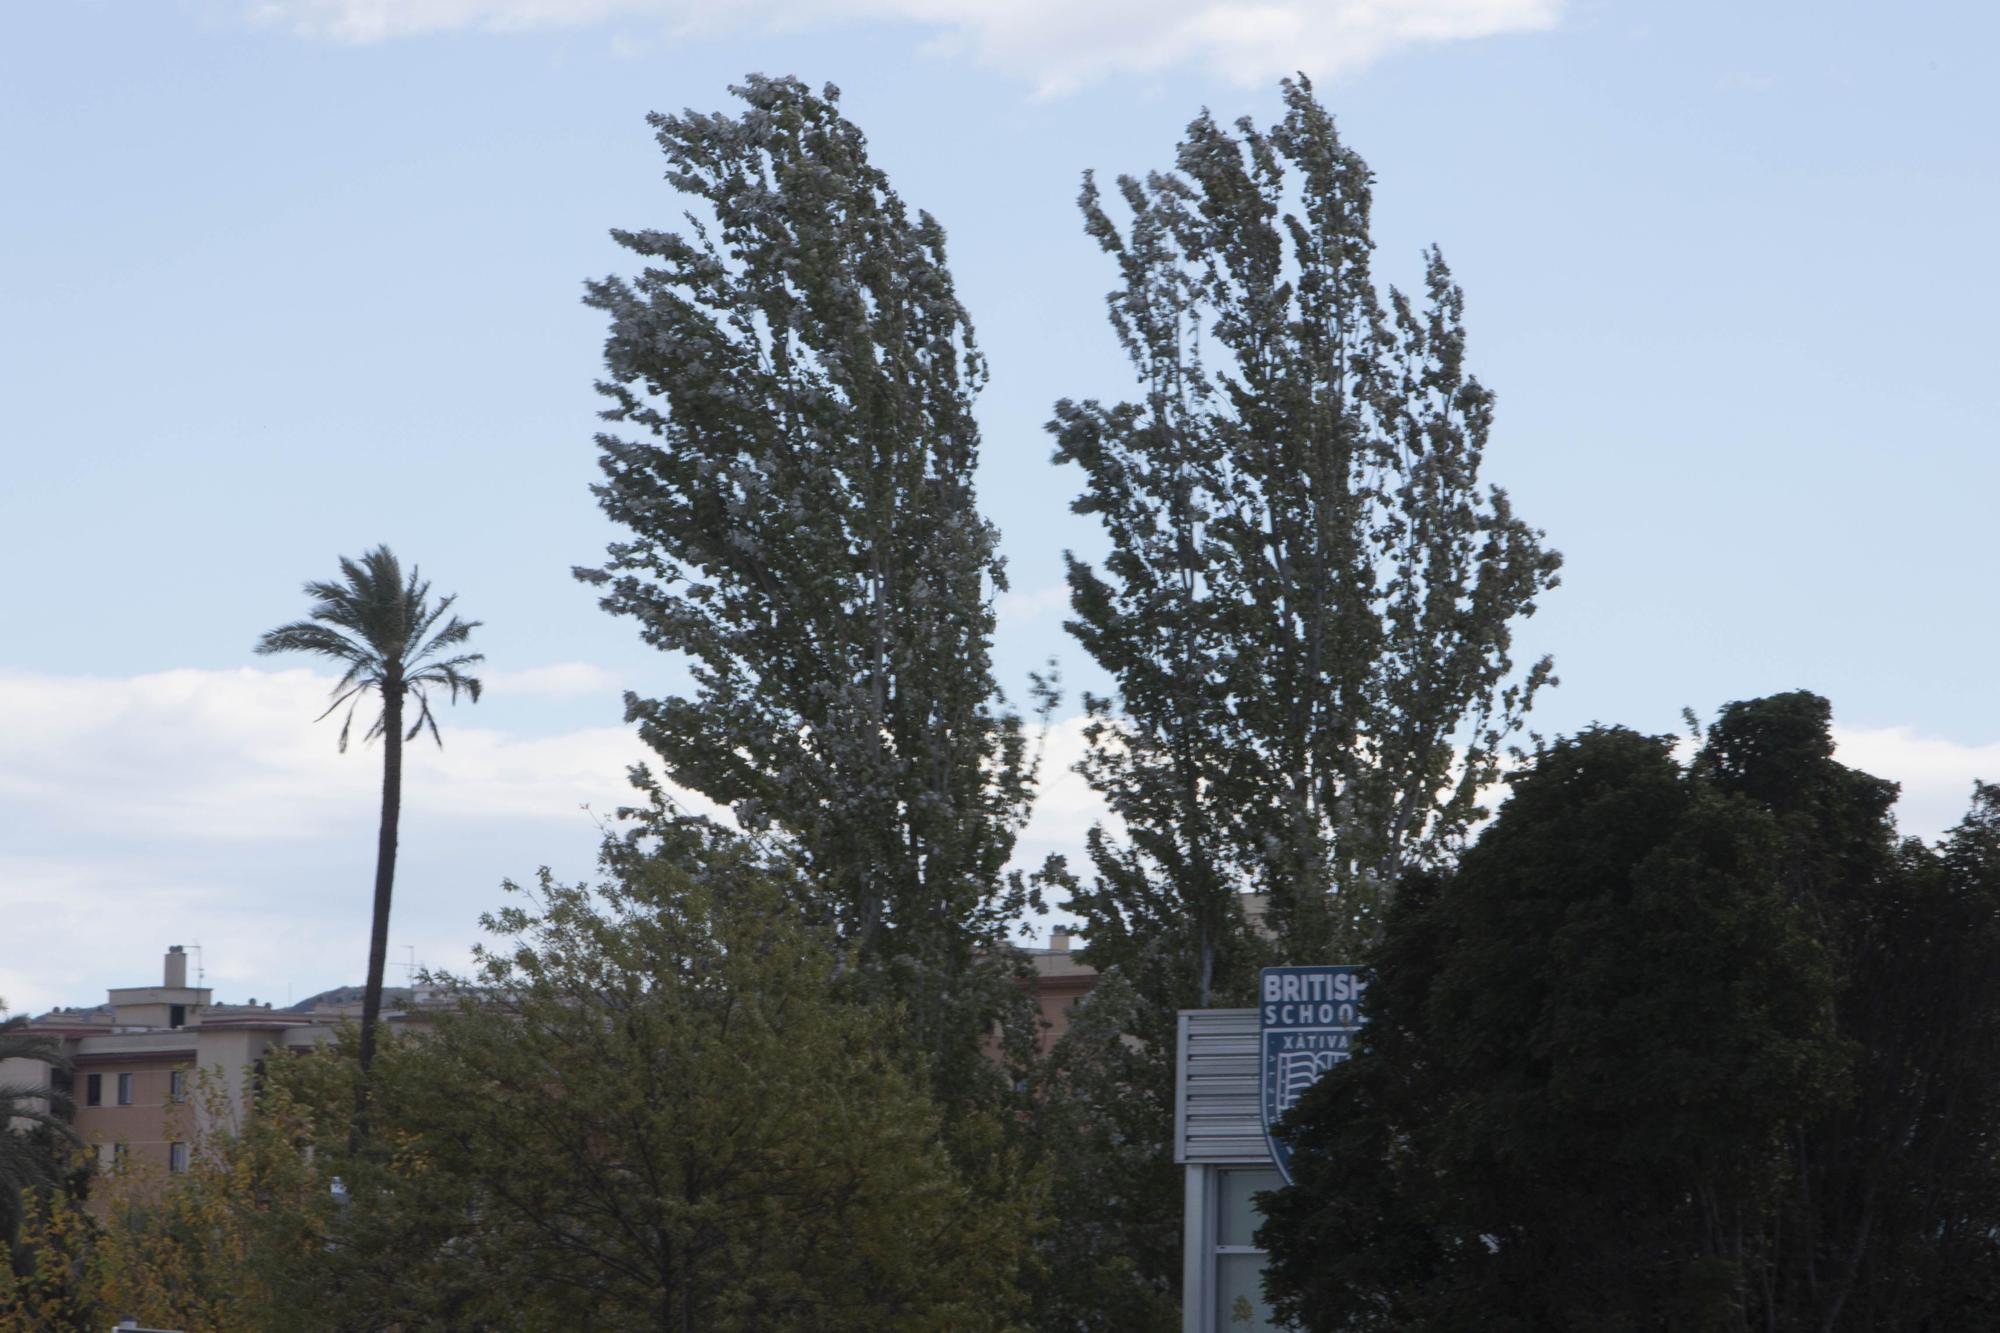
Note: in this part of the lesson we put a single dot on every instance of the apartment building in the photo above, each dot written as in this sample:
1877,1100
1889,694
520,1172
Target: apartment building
1061,980
134,1058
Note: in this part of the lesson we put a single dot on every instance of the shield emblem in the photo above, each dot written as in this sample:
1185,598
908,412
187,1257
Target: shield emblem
1306,1021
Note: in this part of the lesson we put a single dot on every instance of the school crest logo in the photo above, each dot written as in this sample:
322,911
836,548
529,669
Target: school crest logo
1306,1021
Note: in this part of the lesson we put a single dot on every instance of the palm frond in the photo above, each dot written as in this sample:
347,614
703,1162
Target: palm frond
383,627
424,718
431,616
20,1042
45,1106
449,674
457,632
340,697
304,636
54,1113
347,723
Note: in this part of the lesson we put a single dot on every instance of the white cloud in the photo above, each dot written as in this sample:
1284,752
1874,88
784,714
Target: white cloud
234,755
1057,44
1937,774
187,805
564,680
1014,608
1065,806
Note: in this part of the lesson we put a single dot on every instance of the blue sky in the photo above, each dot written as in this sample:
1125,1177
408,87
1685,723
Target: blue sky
282,280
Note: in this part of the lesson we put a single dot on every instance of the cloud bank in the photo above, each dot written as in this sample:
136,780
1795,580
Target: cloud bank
184,806
205,806
1936,774
1058,45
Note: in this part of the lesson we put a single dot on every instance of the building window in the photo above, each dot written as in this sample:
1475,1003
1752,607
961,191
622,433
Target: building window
177,1085
93,1090
177,1157
1239,1264
112,1156
124,1089
177,1015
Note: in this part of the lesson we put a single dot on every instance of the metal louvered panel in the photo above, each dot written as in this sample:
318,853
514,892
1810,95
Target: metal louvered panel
1217,1114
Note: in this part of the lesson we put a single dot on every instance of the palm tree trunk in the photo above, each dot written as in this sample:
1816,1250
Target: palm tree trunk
385,878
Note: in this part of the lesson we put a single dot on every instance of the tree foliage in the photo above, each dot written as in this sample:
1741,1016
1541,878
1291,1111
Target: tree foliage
35,1136
1112,1252
1695,1047
796,375
651,1109
1306,606
1308,602
208,1250
1893,1210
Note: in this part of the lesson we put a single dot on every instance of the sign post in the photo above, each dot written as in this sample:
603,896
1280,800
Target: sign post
1306,1021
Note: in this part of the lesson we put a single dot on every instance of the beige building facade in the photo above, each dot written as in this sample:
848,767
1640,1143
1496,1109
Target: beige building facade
1061,981
142,1065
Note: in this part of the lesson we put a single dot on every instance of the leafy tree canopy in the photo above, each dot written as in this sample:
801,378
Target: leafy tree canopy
1674,1046
652,1109
649,1109
791,380
1309,599
1307,607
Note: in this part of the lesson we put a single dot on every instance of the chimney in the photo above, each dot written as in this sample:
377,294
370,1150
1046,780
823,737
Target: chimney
177,968
1059,940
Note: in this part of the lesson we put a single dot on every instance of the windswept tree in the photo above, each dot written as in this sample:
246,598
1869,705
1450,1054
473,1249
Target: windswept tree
1308,601
791,453
1309,598
394,643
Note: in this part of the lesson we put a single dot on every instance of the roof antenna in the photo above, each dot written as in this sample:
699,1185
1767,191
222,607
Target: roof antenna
200,971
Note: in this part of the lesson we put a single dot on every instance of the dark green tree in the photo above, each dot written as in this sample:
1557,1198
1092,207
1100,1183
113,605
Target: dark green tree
791,378
1894,1204
392,641
1681,1048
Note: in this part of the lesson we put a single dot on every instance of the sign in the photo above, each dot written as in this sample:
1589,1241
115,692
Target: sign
1306,1020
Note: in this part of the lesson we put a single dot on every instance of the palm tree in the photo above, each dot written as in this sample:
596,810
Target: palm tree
384,630
34,1123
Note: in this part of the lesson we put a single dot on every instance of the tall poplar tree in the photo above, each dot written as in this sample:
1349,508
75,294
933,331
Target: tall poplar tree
1309,599
791,451
1306,608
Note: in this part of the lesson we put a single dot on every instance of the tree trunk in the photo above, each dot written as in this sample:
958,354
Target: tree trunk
385,878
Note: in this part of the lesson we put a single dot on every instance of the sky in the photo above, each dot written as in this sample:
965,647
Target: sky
284,279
